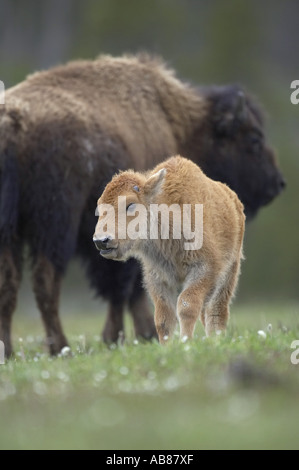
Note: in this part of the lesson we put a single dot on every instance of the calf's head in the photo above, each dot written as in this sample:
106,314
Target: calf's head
123,206
234,150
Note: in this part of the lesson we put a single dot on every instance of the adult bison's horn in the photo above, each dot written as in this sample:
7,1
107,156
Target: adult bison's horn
240,106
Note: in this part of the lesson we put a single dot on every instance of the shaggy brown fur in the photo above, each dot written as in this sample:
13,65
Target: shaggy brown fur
204,278
66,131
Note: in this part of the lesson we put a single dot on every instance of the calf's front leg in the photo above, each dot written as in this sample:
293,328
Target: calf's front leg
165,319
165,315
190,305
164,298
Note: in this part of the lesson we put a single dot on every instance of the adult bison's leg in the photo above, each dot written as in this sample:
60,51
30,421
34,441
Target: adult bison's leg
46,286
217,310
109,279
114,326
141,311
115,282
10,276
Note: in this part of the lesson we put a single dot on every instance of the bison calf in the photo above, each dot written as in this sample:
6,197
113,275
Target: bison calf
193,282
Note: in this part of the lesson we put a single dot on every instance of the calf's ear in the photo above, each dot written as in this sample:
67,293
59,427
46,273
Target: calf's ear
154,183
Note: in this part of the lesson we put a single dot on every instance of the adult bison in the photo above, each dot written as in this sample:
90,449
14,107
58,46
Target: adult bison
66,131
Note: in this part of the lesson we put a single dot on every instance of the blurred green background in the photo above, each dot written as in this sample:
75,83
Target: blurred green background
252,43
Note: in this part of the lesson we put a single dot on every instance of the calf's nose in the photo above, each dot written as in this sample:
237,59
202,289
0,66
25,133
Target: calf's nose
101,243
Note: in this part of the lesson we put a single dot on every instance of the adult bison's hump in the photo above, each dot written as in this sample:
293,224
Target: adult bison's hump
134,101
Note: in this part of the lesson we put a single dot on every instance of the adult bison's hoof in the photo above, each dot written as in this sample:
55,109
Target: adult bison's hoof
8,352
56,345
112,335
145,328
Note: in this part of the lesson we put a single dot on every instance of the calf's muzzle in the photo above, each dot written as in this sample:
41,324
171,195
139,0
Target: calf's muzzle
102,243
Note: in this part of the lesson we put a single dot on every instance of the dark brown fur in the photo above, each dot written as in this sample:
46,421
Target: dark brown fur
66,131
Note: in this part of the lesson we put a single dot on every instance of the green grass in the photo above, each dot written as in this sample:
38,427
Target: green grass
238,391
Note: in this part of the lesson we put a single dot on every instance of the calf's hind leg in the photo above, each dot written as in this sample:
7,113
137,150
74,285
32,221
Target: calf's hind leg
10,276
46,286
217,309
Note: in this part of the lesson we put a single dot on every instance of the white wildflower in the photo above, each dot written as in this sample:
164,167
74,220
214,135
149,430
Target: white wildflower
40,388
124,370
45,375
63,377
262,334
66,351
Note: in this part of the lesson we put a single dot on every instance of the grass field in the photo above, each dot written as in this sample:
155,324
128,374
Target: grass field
239,391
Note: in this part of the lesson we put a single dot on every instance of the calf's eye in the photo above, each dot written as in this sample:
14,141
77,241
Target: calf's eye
131,207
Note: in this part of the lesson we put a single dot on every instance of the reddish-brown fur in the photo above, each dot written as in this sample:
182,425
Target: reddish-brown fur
186,283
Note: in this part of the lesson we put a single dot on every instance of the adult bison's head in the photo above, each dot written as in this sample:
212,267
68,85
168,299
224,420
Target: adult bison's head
233,148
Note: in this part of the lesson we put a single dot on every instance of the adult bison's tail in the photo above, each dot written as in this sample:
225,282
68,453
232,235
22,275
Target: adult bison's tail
10,137
9,196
